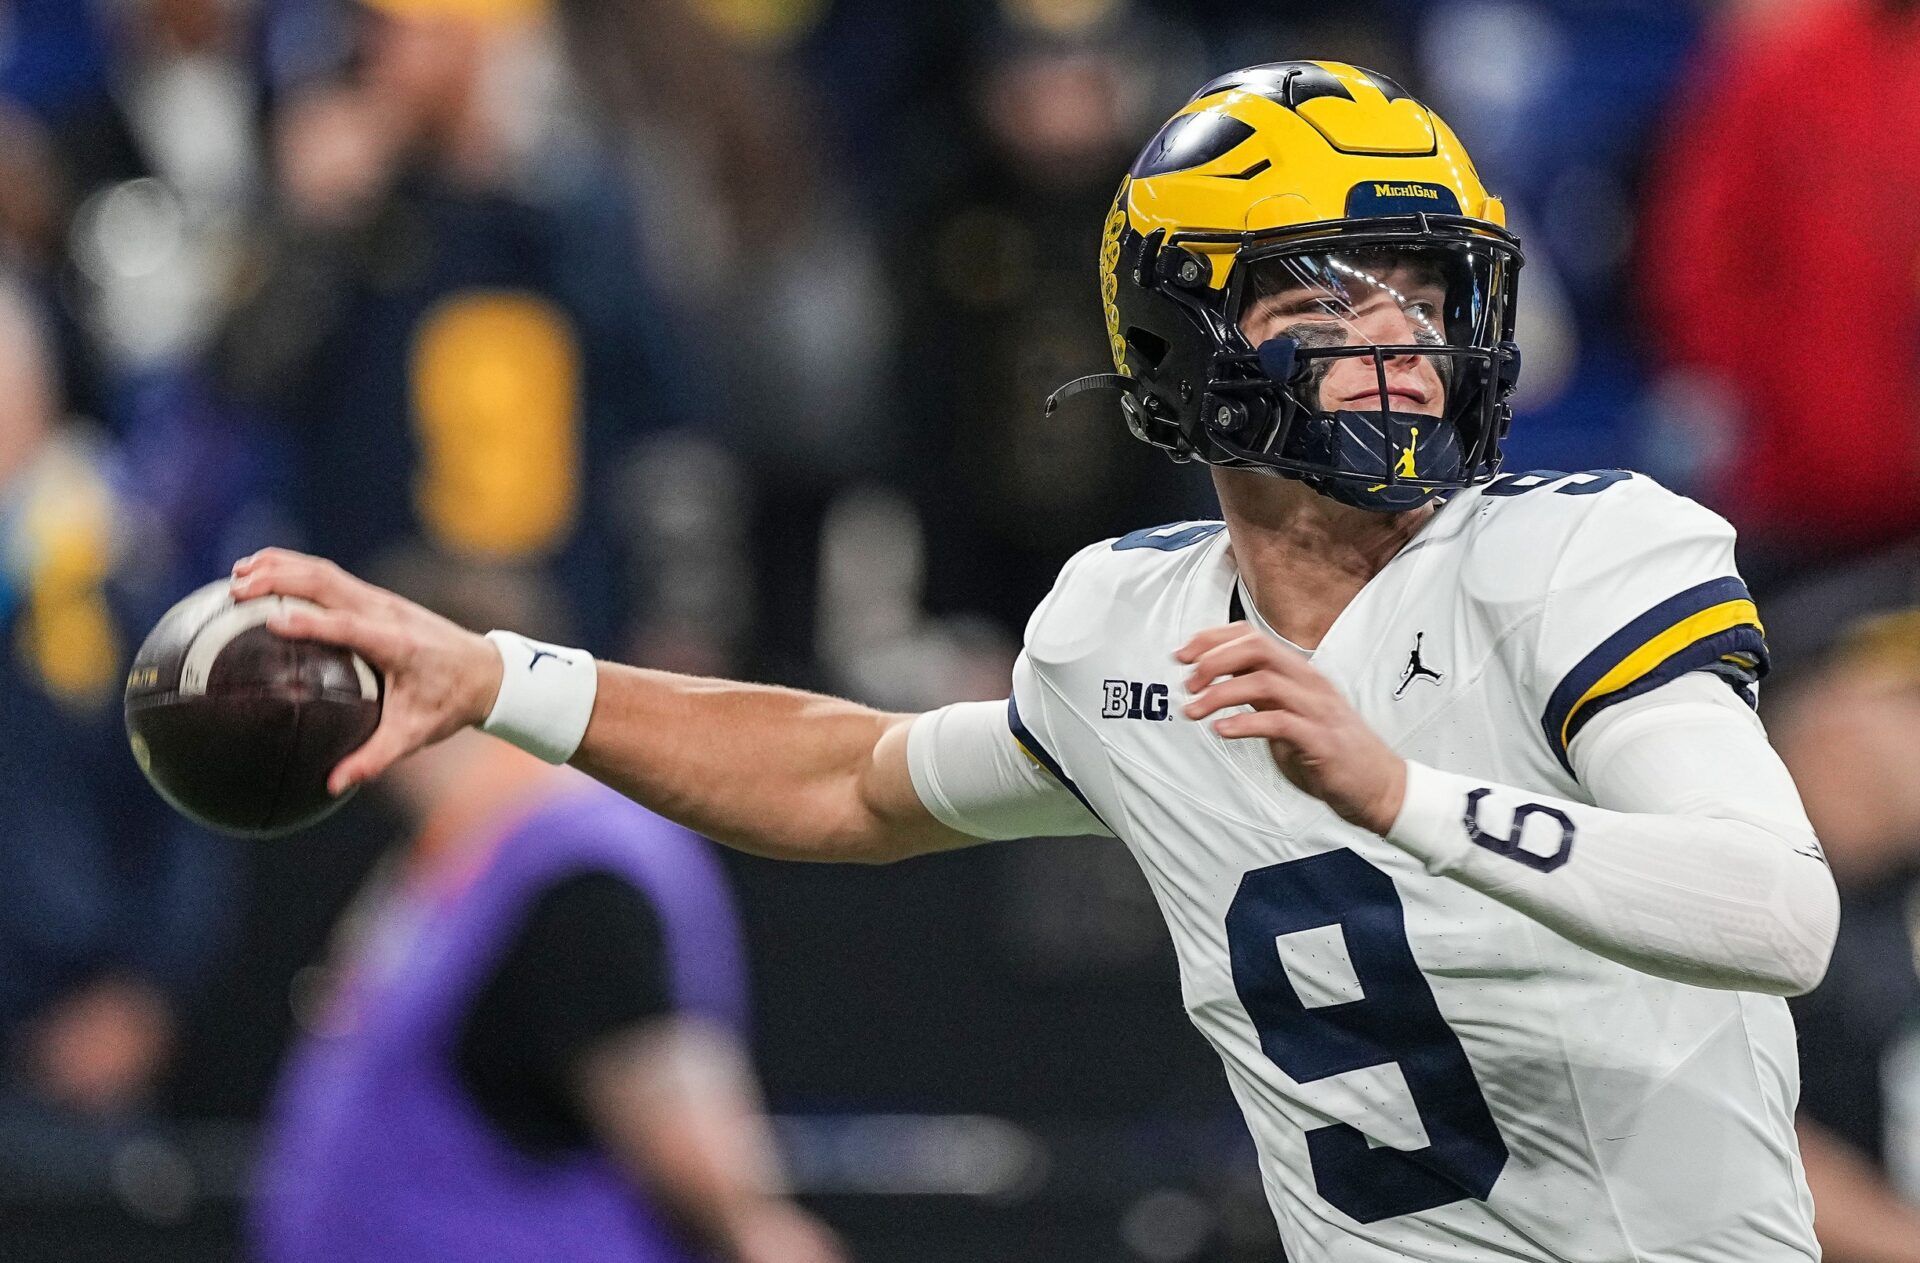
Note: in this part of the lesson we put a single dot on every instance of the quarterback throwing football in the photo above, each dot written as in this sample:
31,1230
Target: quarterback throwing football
1483,878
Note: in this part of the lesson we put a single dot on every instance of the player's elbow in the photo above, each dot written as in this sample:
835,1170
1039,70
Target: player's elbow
856,833
1792,978
828,845
870,847
1810,924
815,829
1777,946
1805,923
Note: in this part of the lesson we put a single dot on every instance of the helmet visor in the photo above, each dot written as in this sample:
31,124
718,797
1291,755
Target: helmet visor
1388,355
1402,298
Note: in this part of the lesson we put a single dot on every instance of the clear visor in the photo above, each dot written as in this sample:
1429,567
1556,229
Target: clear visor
1341,306
1377,363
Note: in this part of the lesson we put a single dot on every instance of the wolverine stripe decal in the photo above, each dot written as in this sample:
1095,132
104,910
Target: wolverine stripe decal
1710,627
1031,747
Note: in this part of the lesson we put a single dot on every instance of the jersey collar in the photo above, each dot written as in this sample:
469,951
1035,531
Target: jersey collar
1240,609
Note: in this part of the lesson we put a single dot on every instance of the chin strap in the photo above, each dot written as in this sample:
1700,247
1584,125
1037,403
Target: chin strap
1094,381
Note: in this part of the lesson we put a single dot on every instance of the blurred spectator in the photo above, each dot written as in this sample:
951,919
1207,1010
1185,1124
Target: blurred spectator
163,171
162,168
132,143
1848,735
114,906
534,1050
1790,186
771,261
450,320
996,278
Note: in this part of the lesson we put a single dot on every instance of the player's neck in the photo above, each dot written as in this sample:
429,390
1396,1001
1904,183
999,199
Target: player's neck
1301,556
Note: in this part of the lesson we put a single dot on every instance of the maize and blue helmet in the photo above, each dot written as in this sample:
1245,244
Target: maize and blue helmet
1328,190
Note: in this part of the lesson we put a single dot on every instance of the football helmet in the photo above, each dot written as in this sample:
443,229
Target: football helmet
1321,209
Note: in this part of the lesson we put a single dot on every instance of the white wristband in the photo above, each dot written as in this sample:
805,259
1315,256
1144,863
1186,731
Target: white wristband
546,696
1430,826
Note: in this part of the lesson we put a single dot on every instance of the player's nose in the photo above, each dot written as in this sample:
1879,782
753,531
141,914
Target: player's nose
1384,324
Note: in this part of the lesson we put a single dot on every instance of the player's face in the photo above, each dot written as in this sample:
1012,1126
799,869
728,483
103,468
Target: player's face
1358,302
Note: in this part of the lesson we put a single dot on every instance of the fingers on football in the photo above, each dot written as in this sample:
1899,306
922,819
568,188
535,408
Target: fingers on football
1209,639
390,742
253,561
373,641
279,572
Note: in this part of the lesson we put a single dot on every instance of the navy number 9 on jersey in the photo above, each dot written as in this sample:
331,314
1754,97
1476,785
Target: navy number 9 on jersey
1393,1019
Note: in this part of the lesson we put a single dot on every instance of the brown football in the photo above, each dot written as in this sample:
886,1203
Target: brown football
237,727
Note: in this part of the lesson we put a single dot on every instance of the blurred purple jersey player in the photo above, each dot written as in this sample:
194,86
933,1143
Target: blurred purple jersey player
533,1051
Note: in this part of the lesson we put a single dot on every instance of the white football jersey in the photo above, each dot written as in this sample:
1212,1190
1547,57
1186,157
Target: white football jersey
1427,1073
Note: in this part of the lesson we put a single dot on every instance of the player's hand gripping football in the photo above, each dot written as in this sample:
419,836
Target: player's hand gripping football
440,677
1319,741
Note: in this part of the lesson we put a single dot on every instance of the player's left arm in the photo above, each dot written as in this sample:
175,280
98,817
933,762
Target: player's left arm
1695,862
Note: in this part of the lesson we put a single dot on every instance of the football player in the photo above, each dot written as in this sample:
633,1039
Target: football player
1483,878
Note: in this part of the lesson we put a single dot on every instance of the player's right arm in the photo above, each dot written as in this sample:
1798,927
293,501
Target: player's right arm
773,771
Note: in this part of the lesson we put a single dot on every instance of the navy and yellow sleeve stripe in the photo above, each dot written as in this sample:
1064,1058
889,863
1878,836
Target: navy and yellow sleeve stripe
1033,749
1710,627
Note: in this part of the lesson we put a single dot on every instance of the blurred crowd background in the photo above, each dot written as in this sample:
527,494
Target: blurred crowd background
717,331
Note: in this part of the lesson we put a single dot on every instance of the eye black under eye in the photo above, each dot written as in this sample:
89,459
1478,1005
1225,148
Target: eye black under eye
1311,334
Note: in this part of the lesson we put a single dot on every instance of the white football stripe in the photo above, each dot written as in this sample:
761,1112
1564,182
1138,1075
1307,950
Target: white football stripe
369,686
222,628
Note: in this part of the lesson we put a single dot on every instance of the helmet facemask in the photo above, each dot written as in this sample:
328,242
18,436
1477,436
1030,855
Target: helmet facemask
1382,369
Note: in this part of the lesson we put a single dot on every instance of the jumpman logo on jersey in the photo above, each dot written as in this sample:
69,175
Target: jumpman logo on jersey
1416,669
544,653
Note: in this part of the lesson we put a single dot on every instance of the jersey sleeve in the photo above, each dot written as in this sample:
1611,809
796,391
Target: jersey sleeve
1644,592
1694,860
979,769
996,770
